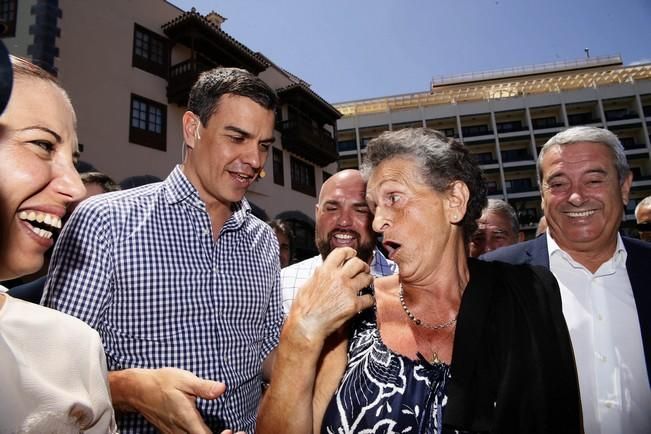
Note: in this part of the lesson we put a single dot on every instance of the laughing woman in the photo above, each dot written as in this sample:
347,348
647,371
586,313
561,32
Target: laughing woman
53,376
449,344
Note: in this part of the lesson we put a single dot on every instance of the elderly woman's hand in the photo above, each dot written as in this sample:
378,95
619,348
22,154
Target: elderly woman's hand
330,297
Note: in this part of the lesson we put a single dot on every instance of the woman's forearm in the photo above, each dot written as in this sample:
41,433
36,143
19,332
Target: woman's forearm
287,404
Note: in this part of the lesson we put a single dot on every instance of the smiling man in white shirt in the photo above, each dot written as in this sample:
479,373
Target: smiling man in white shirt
585,182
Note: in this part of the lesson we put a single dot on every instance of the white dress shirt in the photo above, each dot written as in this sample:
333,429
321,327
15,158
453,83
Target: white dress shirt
604,327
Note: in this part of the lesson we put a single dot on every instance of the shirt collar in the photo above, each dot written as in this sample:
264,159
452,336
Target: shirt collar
180,189
618,257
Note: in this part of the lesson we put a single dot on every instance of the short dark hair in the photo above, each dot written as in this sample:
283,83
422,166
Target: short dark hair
213,84
285,228
442,161
103,180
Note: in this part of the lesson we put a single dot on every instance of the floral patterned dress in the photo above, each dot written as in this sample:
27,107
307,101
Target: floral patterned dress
384,392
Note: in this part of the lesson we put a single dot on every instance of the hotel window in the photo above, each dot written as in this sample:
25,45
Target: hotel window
491,188
507,127
475,130
7,18
279,168
518,185
547,122
448,132
347,145
150,52
303,177
148,123
484,158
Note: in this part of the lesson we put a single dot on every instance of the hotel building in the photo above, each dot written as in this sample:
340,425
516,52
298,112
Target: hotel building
504,117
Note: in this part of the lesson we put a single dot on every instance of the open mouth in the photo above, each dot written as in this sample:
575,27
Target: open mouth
391,247
242,177
42,224
343,238
580,214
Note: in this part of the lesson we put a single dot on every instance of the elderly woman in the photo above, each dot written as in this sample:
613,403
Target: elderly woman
449,344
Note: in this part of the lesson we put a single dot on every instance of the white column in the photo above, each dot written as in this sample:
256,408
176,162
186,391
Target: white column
499,154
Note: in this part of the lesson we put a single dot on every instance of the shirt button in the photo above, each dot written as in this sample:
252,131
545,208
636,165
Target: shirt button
601,357
205,231
599,317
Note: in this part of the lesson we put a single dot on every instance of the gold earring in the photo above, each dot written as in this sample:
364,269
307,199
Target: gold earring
262,173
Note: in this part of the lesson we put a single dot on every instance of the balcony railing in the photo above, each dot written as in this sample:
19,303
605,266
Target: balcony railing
182,77
347,145
475,132
543,123
520,188
510,127
582,119
308,141
619,115
516,155
631,144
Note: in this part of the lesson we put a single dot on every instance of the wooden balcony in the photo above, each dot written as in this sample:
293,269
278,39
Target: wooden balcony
182,77
307,141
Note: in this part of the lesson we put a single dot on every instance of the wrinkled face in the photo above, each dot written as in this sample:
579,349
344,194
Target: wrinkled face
37,176
582,198
412,217
228,153
342,216
494,230
643,217
283,245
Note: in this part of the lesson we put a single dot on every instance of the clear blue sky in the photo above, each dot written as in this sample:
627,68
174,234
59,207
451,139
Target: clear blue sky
355,49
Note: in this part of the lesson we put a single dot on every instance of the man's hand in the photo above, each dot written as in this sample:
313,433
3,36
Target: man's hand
330,297
166,397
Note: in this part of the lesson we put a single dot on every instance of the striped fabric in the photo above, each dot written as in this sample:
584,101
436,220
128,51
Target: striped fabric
142,268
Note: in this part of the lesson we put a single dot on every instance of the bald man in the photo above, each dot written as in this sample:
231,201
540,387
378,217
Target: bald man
342,219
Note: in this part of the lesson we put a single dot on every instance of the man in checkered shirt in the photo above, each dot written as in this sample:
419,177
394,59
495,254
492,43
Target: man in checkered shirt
342,220
179,278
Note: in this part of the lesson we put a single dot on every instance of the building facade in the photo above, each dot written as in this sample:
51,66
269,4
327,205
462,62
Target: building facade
128,67
504,117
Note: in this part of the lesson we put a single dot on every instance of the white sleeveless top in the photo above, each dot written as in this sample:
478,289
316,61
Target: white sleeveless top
52,373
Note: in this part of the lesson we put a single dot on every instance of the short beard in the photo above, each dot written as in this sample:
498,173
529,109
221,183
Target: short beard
364,250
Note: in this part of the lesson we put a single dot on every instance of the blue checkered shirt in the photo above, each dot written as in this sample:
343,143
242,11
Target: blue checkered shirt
295,276
141,267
